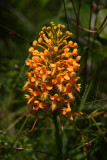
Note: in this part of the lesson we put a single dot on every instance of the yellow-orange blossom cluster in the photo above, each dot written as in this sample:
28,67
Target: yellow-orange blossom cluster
52,74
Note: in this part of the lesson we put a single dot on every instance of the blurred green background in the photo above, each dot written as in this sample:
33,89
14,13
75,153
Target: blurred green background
20,24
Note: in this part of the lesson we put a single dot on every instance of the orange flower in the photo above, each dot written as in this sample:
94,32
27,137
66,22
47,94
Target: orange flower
54,99
52,74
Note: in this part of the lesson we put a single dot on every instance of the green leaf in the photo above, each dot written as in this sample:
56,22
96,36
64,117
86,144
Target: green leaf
98,51
101,16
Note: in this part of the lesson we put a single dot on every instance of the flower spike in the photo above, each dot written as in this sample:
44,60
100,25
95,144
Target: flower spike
52,74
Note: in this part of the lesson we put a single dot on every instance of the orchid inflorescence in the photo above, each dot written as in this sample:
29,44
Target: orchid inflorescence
52,74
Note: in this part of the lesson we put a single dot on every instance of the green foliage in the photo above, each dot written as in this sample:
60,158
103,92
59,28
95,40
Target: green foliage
26,18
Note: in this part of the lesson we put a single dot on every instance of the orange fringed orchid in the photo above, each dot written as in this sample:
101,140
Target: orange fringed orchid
52,74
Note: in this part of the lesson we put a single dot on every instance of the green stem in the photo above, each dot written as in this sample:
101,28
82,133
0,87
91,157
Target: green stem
11,145
15,139
58,137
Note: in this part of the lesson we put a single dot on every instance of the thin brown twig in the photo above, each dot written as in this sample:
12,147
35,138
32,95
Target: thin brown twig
66,15
87,30
49,154
79,6
88,43
84,147
77,18
103,24
74,9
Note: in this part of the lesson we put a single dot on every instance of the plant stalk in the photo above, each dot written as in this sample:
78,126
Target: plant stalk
57,137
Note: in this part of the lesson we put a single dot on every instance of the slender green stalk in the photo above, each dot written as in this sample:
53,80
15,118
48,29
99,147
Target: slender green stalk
22,127
58,137
88,46
16,137
11,145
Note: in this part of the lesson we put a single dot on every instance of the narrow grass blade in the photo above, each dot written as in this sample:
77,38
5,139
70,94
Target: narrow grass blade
85,95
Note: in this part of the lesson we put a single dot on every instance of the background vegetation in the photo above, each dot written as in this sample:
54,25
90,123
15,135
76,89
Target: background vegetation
20,23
